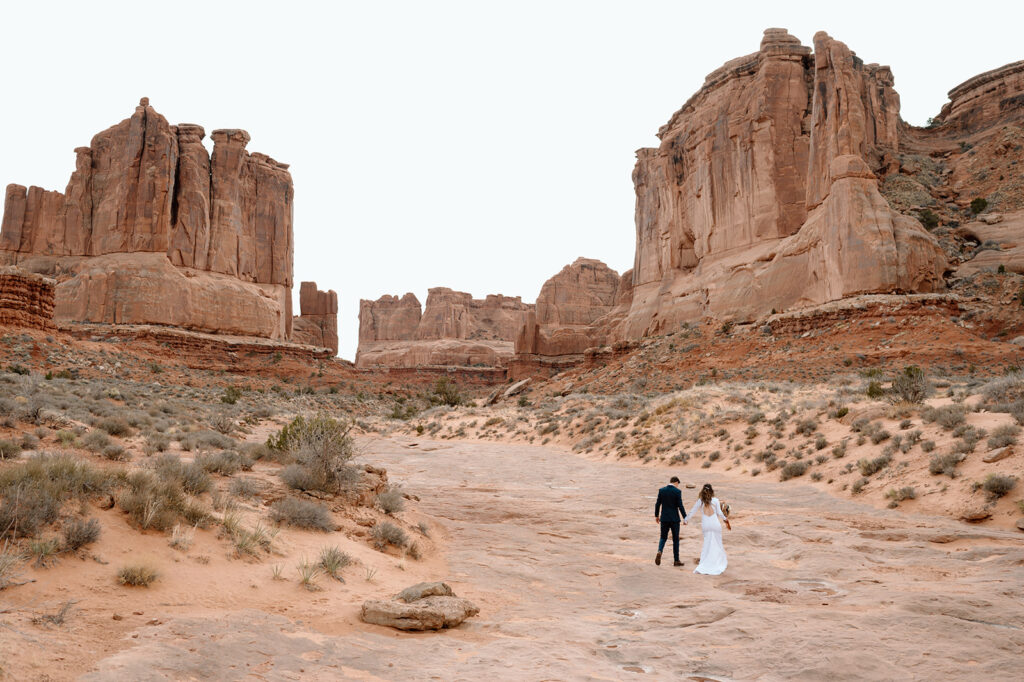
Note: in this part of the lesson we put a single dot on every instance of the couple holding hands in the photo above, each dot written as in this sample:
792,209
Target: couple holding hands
667,511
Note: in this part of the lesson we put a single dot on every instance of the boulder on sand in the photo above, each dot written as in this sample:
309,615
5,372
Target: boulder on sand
424,606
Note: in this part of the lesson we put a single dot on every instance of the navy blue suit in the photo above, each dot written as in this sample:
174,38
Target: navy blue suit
669,508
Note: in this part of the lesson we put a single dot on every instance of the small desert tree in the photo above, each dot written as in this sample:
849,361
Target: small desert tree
321,447
911,385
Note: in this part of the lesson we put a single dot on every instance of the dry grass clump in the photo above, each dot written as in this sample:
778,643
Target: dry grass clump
794,470
391,501
32,492
333,560
944,464
386,533
78,533
9,449
225,463
302,514
192,478
998,485
244,487
896,496
947,416
1003,436
868,467
10,562
309,571
137,575
155,502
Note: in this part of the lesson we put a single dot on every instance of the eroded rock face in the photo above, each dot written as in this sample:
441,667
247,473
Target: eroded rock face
568,306
317,323
150,189
763,193
453,329
26,299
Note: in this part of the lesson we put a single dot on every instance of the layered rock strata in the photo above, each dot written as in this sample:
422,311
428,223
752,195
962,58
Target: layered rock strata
453,329
317,323
567,308
153,230
764,193
26,299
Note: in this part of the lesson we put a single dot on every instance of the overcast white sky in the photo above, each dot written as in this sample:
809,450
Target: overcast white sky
476,145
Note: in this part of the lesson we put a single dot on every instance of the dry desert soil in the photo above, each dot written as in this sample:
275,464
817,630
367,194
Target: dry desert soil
558,550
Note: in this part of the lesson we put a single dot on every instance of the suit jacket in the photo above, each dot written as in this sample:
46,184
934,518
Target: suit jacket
670,504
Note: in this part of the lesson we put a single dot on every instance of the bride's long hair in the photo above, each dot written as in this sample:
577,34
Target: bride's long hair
706,493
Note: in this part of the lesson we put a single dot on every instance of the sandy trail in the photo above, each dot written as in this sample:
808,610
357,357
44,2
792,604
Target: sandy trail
558,551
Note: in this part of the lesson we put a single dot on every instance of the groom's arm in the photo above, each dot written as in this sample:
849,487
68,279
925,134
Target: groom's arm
657,507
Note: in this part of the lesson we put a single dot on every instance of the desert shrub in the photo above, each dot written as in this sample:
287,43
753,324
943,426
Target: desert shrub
385,533
189,477
224,424
116,453
820,442
793,470
32,491
137,575
321,447
244,487
207,440
904,493
998,485
157,442
332,560
96,441
868,467
225,463
115,427
446,393
879,435
859,485
978,204
947,416
78,533
1003,436
302,514
391,501
875,390
231,395
839,450
9,449
151,503
928,218
910,385
944,464
927,446
806,427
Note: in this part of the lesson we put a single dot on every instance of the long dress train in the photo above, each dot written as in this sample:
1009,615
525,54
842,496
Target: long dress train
712,555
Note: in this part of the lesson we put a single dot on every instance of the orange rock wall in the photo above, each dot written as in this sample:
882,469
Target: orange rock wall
146,187
26,299
317,323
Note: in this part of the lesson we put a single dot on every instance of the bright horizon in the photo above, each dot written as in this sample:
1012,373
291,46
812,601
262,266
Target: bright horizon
474,146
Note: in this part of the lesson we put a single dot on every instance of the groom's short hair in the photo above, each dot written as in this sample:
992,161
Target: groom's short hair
674,479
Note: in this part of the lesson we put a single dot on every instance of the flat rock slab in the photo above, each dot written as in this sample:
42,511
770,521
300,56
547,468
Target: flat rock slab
429,613
997,454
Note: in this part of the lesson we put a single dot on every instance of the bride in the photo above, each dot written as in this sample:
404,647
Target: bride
712,555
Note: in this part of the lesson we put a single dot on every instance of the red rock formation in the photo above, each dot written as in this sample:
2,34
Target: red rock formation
454,329
763,193
26,299
147,188
991,98
567,307
317,324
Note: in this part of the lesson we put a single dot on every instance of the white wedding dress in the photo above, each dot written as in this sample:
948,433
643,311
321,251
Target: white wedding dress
712,555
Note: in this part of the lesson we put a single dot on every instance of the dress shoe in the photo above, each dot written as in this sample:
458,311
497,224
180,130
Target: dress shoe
657,559
677,563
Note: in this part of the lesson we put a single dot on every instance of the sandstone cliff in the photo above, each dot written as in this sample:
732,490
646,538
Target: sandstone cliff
153,230
26,299
317,323
567,307
764,192
453,329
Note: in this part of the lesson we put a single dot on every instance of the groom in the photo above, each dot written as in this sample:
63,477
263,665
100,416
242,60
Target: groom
670,506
